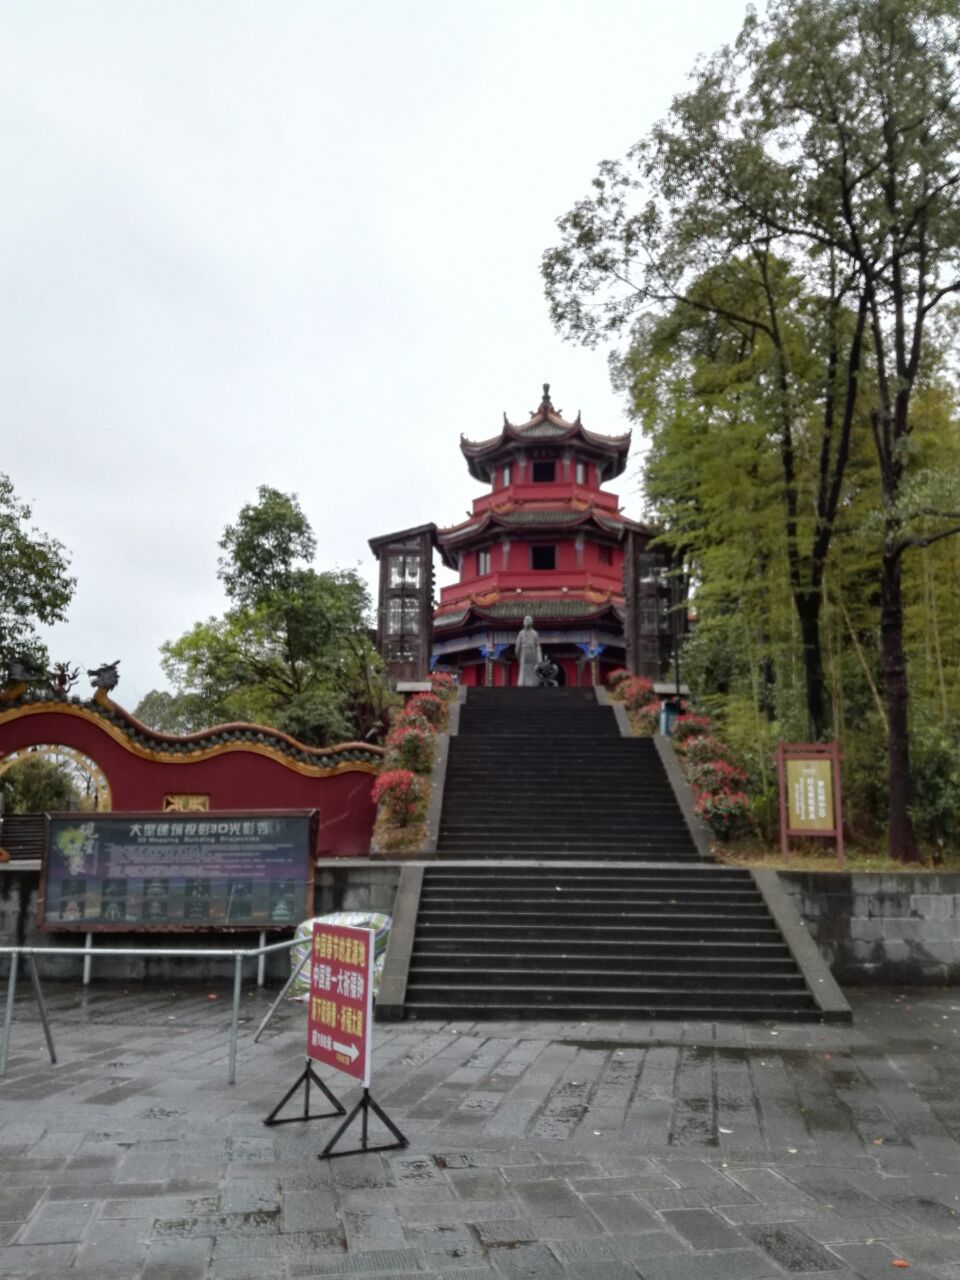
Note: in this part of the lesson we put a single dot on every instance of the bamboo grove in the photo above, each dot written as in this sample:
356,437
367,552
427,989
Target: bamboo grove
780,260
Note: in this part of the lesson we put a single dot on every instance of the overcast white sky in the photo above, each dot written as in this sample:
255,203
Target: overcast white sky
290,243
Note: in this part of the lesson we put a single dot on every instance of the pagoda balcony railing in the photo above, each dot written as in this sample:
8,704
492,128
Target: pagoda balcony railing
510,582
554,491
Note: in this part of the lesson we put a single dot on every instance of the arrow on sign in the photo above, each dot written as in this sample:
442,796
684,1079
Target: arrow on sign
351,1051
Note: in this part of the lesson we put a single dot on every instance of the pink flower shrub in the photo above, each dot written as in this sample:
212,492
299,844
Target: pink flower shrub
636,692
428,705
703,749
411,748
646,718
444,684
714,776
407,719
401,793
617,677
726,813
690,726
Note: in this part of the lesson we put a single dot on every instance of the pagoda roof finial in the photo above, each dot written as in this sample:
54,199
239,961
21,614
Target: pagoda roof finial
546,404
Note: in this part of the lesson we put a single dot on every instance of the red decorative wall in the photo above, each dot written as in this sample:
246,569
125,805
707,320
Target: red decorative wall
235,776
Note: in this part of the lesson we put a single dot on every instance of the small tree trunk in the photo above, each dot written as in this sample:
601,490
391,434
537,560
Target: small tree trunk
902,844
808,612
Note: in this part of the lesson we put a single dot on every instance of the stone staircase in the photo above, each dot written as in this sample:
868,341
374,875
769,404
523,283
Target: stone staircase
595,941
568,885
544,773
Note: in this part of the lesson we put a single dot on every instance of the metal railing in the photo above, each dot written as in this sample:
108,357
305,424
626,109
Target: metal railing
236,955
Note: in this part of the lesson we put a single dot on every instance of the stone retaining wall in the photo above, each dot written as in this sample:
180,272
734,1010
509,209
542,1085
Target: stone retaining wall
872,929
341,886
875,929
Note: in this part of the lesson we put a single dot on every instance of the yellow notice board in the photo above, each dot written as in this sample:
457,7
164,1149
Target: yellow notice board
810,795
810,799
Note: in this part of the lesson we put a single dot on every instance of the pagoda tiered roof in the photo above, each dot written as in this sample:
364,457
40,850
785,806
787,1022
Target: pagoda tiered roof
517,515
506,610
545,426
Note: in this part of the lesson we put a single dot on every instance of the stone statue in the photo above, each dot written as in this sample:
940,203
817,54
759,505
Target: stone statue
25,670
547,673
64,678
529,654
105,677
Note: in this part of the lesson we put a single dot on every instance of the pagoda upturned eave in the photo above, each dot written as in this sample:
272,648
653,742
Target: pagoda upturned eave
545,426
519,519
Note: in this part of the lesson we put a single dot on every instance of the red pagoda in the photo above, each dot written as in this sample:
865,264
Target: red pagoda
547,542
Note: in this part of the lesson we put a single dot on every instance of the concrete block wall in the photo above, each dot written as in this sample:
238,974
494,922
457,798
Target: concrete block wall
901,929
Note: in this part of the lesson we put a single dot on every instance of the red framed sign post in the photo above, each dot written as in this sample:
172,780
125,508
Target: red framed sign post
810,798
340,1030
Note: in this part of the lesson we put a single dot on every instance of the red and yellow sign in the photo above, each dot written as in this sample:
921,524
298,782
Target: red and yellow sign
340,1012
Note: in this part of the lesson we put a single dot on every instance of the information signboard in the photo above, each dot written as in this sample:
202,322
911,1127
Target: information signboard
340,1012
128,871
810,805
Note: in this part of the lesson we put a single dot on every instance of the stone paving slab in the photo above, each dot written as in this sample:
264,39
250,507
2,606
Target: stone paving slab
580,1151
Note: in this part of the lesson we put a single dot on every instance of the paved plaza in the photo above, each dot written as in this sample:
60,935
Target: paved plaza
580,1151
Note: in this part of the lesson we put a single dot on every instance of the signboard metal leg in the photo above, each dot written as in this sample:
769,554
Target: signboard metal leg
8,1011
87,960
304,1078
262,960
235,1018
41,1005
363,1109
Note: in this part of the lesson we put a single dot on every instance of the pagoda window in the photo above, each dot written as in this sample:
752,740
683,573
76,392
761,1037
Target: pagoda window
403,616
544,472
581,473
605,554
483,561
506,474
405,571
542,557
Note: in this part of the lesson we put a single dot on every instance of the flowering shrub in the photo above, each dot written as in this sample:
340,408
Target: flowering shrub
408,719
727,813
714,776
402,795
428,705
636,692
444,684
411,748
645,719
616,677
690,726
704,750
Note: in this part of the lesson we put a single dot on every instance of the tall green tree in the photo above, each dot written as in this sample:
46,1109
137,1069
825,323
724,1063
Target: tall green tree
755,359
293,650
35,784
35,586
830,132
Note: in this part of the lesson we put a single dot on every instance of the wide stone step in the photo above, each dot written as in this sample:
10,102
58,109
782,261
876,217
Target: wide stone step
597,900
518,914
601,998
555,961
617,972
475,854
707,874
528,1011
636,844
665,950
620,932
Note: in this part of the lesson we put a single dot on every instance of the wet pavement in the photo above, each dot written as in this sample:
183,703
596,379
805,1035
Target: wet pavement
585,1151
